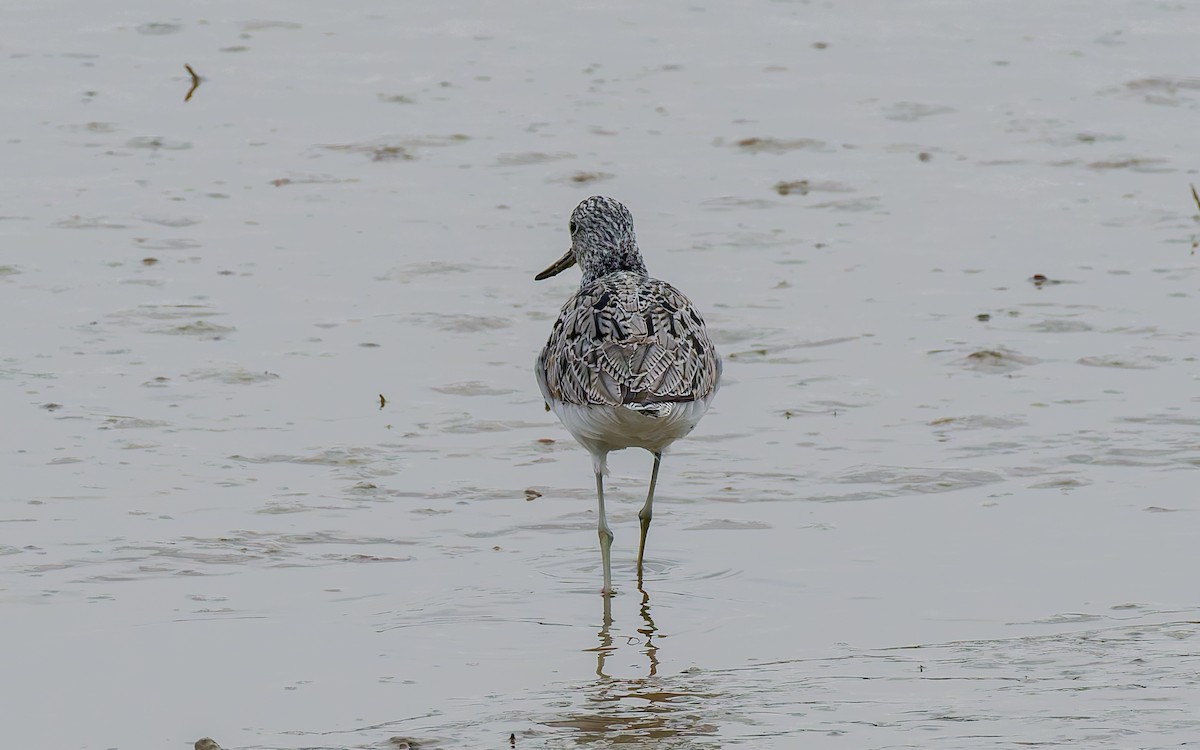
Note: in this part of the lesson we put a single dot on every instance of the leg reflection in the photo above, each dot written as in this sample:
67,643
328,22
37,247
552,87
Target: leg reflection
648,630
606,640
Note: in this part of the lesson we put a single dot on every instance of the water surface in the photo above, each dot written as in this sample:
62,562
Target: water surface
945,497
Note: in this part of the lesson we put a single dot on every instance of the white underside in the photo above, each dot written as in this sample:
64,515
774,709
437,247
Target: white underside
601,429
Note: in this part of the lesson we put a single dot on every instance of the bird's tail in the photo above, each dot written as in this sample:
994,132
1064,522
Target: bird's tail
656,411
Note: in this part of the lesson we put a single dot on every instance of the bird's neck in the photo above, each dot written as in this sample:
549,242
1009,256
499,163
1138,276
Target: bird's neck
622,257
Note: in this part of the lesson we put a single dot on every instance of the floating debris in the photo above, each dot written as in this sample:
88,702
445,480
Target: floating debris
199,329
155,142
195,82
382,401
403,150
1040,280
232,376
780,146
997,361
158,29
983,317
532,494
786,188
1135,163
582,178
804,187
312,179
391,153
1116,361
531,157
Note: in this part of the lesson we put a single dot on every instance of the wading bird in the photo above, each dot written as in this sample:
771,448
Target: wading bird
629,363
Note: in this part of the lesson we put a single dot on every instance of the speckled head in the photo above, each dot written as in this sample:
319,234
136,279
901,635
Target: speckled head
602,241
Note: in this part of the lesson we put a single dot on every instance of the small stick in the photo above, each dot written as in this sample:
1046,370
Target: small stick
196,83
1196,198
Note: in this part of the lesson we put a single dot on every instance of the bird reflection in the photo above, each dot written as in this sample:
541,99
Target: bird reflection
647,630
668,710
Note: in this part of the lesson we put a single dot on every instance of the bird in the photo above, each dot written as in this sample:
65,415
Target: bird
629,362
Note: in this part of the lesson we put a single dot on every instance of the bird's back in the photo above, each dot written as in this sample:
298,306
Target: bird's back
628,340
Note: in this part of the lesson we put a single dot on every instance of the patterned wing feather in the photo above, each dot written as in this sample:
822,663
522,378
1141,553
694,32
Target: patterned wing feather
629,339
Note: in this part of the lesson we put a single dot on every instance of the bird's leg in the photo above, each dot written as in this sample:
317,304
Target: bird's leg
646,513
606,538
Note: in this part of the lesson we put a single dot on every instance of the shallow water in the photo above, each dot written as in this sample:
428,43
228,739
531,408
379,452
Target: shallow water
943,499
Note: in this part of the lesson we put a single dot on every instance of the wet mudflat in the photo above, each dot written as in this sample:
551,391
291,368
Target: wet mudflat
946,496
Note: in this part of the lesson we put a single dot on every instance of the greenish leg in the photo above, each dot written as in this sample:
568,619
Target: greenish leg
606,538
646,513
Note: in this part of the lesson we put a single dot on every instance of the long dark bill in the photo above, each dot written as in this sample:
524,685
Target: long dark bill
557,266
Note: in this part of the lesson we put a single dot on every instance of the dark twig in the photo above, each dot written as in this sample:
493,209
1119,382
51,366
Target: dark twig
195,82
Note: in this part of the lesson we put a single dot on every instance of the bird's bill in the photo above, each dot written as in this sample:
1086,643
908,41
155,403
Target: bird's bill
557,266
